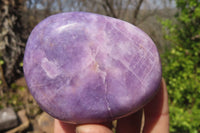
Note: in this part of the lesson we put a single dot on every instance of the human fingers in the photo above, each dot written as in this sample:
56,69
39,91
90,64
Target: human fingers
130,124
157,112
92,128
156,116
61,127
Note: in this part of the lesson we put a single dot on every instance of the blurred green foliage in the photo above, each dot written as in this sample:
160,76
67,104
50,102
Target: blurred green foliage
181,67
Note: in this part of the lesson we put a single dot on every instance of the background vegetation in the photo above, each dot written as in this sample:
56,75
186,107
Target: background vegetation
174,25
181,67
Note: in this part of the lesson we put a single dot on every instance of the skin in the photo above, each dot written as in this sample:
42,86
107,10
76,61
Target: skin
156,119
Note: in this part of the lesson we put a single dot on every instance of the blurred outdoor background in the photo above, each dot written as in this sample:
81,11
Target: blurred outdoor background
174,26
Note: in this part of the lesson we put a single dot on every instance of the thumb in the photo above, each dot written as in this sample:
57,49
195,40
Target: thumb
92,128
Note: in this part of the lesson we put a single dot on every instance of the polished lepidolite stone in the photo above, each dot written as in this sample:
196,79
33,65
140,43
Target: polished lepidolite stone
88,68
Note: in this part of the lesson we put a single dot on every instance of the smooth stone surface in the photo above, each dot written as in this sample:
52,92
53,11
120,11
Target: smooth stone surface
88,68
8,119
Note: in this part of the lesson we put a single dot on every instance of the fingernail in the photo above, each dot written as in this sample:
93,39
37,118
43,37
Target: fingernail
79,129
83,129
92,128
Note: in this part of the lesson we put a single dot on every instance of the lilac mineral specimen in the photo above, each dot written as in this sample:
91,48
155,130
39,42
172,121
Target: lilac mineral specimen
88,68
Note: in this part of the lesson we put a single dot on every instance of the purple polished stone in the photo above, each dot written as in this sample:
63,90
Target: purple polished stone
88,68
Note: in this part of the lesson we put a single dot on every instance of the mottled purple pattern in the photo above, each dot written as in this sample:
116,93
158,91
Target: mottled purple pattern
88,68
